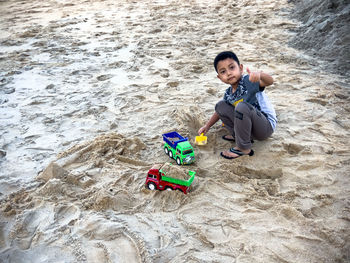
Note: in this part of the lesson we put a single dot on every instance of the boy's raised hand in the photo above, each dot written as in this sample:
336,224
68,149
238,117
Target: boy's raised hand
253,76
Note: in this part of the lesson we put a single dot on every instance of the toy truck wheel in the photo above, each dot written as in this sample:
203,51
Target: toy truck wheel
170,154
168,188
166,150
178,161
151,186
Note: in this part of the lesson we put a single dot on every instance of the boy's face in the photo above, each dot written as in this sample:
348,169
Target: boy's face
229,71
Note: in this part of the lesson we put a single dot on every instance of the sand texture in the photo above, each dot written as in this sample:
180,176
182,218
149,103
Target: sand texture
87,88
324,32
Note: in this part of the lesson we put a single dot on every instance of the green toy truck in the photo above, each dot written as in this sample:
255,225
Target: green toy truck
178,148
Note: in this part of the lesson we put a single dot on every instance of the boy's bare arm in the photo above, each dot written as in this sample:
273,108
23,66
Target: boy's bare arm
265,80
214,118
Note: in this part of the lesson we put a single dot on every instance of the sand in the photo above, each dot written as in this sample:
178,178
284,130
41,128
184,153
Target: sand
87,89
324,32
175,171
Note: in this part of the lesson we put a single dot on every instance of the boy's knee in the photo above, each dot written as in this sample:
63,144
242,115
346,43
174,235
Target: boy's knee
221,107
244,107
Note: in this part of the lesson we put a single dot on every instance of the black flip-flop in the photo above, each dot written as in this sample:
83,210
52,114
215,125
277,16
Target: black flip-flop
238,152
227,139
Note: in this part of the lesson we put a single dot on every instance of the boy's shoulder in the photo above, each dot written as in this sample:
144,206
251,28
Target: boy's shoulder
245,79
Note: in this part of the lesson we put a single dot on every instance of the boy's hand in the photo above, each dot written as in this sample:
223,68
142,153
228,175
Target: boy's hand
203,130
261,77
254,76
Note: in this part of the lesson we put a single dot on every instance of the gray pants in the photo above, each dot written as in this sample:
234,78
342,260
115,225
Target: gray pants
244,122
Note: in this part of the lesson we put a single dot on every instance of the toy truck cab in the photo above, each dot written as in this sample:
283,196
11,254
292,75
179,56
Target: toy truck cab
160,177
178,148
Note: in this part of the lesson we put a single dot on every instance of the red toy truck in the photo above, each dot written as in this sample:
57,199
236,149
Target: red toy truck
168,177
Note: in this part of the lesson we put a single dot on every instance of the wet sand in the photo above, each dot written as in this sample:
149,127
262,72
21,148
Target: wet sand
88,88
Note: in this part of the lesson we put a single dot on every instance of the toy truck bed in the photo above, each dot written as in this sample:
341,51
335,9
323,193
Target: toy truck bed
179,181
173,138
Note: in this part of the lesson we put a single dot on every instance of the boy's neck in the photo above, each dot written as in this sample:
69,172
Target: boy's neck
234,86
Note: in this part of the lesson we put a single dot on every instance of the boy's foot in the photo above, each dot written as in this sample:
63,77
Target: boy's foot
234,153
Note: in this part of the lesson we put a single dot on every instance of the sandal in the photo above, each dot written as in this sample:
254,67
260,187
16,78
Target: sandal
238,152
227,139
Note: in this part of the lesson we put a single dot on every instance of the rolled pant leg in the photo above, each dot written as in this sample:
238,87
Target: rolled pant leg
226,113
248,123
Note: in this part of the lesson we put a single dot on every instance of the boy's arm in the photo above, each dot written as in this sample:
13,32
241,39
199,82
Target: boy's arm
213,119
265,80
261,77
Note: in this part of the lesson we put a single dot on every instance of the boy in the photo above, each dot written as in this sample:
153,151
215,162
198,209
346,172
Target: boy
245,109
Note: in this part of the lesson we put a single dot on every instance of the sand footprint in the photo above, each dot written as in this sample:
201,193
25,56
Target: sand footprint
109,242
26,231
66,214
293,148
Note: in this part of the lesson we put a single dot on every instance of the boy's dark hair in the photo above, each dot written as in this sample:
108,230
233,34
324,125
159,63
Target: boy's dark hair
224,55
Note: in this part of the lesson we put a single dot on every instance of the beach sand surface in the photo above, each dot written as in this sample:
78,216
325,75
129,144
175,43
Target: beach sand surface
87,88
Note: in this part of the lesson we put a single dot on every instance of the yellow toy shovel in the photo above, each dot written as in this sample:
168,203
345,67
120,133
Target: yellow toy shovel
201,140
